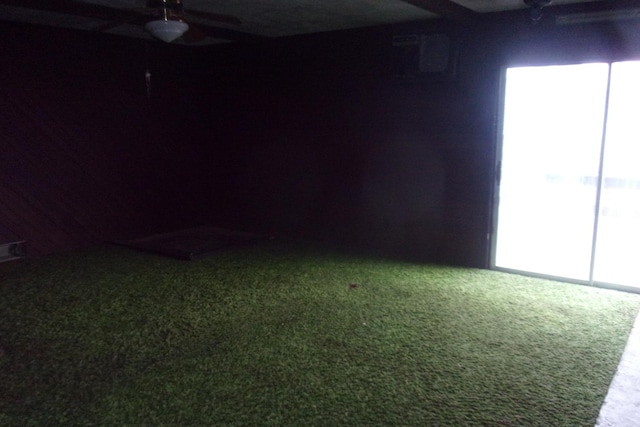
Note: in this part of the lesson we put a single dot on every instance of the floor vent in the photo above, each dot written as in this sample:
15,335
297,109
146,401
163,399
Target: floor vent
11,251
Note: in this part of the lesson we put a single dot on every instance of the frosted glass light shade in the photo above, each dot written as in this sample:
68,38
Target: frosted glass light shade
166,30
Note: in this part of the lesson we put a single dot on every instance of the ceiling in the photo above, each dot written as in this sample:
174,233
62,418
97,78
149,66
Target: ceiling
258,18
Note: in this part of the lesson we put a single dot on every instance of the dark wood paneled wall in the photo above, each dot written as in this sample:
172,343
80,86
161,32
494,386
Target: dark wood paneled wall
83,151
323,141
307,135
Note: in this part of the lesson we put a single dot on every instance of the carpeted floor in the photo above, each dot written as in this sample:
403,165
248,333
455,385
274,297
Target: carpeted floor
284,334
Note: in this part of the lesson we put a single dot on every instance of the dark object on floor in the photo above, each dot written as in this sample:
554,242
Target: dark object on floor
12,251
191,243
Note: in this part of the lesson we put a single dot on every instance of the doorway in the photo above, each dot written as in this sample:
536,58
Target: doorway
568,187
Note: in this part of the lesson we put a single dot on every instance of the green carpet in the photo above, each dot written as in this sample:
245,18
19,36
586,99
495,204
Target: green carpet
283,335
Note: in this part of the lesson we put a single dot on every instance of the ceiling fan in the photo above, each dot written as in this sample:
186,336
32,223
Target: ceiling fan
154,10
167,20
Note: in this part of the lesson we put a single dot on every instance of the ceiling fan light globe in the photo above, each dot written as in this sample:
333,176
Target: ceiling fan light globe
166,30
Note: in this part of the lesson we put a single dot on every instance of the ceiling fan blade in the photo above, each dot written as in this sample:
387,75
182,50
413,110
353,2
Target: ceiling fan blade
71,7
193,34
226,34
135,19
217,17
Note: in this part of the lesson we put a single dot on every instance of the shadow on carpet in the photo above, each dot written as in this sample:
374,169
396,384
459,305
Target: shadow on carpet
191,243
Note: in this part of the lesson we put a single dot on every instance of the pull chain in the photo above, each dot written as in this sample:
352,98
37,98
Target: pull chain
147,77
147,74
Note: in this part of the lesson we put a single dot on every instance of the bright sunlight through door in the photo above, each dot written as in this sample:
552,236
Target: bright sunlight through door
569,192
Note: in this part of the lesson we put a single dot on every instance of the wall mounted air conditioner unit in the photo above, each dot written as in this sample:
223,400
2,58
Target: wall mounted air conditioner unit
421,54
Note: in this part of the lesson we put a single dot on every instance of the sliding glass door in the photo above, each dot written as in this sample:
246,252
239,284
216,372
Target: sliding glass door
617,251
568,194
